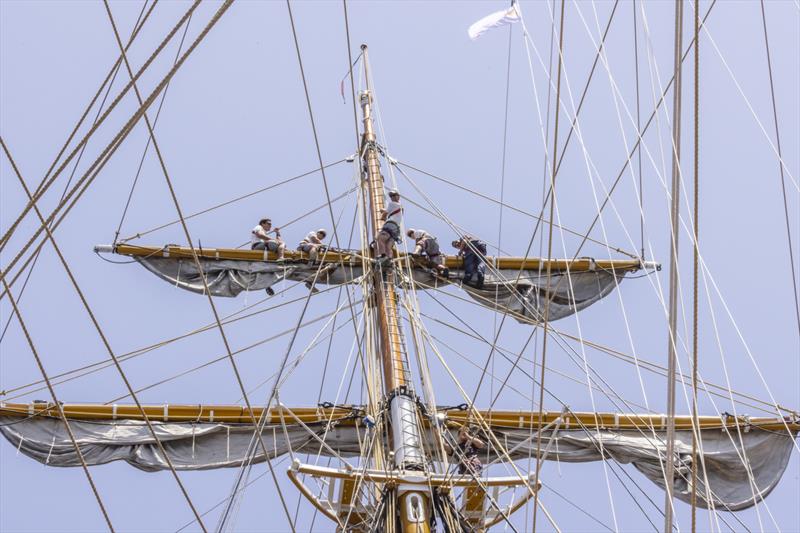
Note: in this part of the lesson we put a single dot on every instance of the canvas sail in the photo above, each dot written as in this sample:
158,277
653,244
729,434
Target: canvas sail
522,292
206,445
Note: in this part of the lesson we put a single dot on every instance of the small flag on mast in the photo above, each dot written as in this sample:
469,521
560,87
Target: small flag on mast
495,20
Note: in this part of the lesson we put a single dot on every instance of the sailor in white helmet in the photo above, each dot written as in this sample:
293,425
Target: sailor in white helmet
392,214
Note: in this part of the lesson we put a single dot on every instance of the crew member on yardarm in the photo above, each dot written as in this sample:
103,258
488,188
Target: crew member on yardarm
473,250
260,238
426,245
312,244
390,232
466,451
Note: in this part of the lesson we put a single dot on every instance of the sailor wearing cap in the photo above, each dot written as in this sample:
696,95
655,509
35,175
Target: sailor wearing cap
390,232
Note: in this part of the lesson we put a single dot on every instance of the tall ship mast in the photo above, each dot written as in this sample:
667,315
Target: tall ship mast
401,454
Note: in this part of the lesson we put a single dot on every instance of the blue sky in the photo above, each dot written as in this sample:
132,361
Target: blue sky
235,120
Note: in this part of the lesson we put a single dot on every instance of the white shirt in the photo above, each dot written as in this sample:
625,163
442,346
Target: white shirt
258,235
312,238
420,234
395,212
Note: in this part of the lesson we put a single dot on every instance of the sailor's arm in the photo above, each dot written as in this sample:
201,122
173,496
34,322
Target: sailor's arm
477,443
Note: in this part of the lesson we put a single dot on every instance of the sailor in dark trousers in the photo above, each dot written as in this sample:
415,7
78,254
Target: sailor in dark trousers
473,250
467,451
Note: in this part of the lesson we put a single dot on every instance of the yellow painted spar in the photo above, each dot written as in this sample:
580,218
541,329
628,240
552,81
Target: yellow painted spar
233,414
572,420
355,258
343,415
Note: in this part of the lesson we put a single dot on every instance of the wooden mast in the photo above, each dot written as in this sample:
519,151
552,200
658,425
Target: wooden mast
413,503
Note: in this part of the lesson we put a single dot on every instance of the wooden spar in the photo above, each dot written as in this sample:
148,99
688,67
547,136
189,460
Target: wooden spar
354,258
498,420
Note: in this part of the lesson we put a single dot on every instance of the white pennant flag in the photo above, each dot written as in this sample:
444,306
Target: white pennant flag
495,20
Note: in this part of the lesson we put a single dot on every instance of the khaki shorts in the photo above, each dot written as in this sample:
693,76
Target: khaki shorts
392,229
270,246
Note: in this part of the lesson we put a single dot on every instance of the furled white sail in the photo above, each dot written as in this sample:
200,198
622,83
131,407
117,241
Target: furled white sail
522,293
191,446
206,445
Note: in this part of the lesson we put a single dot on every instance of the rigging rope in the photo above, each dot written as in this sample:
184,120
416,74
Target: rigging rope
638,123
552,196
105,363
781,166
744,459
695,255
109,150
237,199
174,197
99,330
502,182
336,240
322,173
598,444
577,111
350,73
639,139
108,86
338,300
673,267
506,206
41,190
147,145
110,76
58,403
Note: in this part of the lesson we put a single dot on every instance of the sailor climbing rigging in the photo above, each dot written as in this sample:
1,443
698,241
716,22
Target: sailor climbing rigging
390,232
